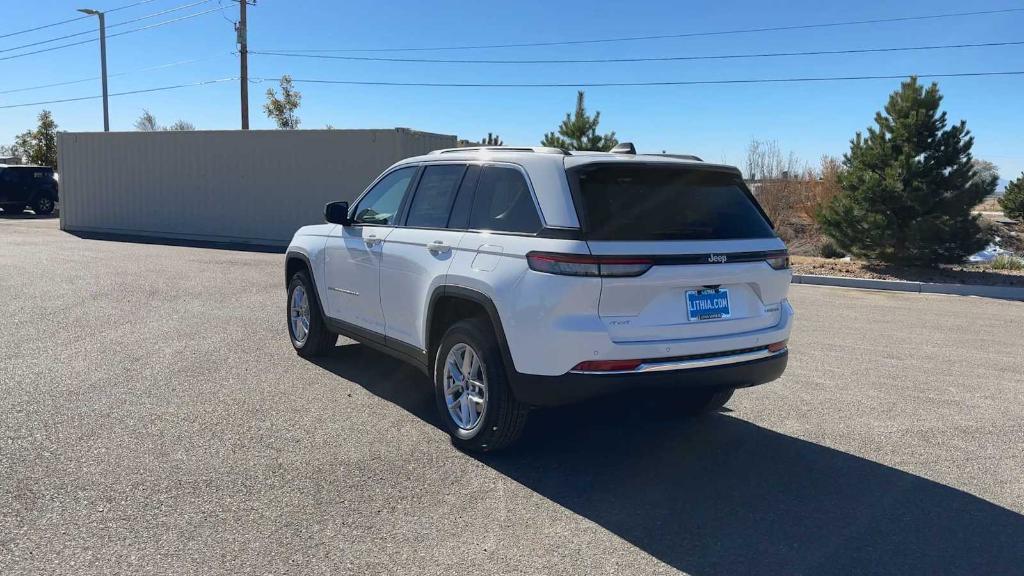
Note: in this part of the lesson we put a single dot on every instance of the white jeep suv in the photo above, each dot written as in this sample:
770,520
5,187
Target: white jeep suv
520,277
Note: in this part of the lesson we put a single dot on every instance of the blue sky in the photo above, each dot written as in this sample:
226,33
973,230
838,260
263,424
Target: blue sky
715,122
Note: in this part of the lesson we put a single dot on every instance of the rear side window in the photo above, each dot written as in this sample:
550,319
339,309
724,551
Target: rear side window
464,199
432,202
503,202
638,202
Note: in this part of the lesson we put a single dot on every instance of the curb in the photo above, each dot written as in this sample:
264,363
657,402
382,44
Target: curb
1000,292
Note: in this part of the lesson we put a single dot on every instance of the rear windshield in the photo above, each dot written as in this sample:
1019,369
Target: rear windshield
644,202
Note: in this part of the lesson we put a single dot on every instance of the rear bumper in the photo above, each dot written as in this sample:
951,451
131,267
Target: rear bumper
576,387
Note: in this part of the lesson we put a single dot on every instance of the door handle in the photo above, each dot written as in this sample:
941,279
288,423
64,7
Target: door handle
438,247
371,240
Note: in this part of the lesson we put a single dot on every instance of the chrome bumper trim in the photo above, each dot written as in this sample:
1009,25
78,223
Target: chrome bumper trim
690,364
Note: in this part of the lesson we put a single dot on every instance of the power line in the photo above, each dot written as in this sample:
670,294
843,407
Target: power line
668,36
654,83
87,32
69,20
537,85
126,73
133,30
143,91
641,59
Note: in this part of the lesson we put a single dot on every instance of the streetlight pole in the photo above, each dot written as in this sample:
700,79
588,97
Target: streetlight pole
103,62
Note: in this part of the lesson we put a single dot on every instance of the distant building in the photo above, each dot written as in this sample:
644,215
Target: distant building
10,160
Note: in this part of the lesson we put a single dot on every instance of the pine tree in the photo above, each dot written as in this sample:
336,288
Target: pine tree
909,186
1012,201
579,132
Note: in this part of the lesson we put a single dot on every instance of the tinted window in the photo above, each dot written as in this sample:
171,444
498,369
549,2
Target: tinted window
464,200
8,175
666,203
381,203
432,202
503,202
24,175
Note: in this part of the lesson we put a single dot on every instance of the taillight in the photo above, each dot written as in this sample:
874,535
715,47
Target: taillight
778,346
778,261
587,265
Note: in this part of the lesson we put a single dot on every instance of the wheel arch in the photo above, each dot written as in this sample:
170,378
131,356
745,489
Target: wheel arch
296,262
42,191
446,298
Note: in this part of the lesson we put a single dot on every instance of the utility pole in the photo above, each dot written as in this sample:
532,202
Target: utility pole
243,57
103,62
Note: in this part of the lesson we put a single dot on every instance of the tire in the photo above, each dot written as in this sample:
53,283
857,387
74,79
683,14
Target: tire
500,418
313,337
11,209
699,403
43,205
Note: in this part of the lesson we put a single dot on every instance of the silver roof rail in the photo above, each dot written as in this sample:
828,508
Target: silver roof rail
536,149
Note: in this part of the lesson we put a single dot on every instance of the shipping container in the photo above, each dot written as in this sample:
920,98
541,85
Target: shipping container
250,187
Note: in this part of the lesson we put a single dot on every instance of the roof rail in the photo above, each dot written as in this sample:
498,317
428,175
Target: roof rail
681,156
536,149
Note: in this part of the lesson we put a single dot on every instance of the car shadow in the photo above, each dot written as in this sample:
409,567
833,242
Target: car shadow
179,242
29,215
719,495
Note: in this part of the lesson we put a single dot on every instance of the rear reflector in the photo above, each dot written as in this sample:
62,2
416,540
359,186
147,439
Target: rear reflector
587,265
607,365
778,346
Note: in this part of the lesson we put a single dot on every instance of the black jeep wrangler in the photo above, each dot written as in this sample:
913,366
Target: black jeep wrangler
33,187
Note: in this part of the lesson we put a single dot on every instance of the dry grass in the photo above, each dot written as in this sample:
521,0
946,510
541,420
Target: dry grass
1004,262
990,204
793,203
960,274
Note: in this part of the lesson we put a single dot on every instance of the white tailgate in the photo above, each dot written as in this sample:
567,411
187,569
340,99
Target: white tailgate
653,306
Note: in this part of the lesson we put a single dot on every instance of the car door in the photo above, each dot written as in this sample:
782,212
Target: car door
24,183
417,254
352,253
9,185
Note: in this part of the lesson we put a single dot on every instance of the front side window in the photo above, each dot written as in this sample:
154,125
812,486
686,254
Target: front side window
638,202
381,203
503,202
432,202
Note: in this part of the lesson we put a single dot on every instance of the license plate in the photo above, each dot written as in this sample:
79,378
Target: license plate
707,304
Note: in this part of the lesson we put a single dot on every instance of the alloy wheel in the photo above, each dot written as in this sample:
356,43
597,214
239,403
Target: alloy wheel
465,386
298,314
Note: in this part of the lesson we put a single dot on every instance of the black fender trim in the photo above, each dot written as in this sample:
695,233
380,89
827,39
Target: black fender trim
312,276
51,194
492,313
296,256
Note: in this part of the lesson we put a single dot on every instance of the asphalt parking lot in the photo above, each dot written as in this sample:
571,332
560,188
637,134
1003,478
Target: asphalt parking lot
154,419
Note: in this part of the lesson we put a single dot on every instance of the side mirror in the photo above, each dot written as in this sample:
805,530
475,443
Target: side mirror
337,213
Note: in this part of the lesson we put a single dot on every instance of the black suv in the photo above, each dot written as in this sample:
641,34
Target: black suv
34,187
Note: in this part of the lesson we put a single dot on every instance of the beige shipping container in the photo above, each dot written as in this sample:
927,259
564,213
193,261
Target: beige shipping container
249,187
